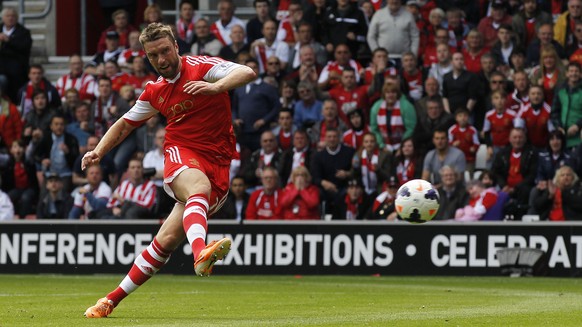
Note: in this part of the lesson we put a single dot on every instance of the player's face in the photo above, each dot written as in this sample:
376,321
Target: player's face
163,55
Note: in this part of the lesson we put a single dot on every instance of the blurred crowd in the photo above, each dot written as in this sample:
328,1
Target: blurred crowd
481,98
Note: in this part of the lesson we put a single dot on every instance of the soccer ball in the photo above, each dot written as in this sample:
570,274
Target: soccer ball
417,201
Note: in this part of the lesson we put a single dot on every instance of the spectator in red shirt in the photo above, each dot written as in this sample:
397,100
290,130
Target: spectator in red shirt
300,198
489,25
498,123
474,51
481,199
264,203
465,137
349,96
121,26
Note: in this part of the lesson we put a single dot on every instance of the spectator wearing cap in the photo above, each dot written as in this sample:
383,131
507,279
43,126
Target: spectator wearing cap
356,203
300,198
112,51
452,194
527,22
394,29
19,176
120,26
56,203
383,206
489,25
566,23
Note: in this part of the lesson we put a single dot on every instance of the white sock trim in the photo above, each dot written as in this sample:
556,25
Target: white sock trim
196,231
127,285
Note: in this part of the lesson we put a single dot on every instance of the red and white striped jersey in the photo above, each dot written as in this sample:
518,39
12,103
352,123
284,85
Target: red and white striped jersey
143,194
335,66
286,31
201,123
515,102
278,49
127,54
85,84
263,206
222,33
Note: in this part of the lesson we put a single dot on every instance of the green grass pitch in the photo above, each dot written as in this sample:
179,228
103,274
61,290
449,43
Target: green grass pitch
166,300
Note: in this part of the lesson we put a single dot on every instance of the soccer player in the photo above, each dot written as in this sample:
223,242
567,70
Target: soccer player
192,94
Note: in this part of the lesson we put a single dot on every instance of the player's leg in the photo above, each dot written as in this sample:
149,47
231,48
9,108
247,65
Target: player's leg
193,187
170,236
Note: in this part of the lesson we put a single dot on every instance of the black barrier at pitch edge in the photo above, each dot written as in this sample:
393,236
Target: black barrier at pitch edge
283,247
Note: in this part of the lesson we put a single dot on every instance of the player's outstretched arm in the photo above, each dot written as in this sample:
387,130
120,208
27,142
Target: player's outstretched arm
224,77
115,135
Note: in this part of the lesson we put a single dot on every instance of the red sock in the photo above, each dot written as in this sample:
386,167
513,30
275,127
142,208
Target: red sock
194,222
144,267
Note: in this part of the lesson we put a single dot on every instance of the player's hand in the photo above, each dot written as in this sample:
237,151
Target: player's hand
201,87
90,158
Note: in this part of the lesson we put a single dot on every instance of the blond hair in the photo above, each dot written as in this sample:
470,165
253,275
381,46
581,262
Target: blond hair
156,31
301,170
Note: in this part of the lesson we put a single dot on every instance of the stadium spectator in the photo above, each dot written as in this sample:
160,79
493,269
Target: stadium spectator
112,51
14,53
36,80
238,45
185,25
562,199
68,105
223,26
151,14
457,27
550,159
443,64
300,155
565,25
356,203
56,152
429,55
205,43
254,26
392,118
331,73
284,130
566,112
431,89
515,168
412,77
305,38
432,117
127,93
383,206
6,207
19,179
139,75
77,79
315,15
481,200
330,169
354,137
56,203
134,198
273,73
309,69
349,96
287,30
267,156
79,128
371,165
394,29
474,50
330,120
459,89
264,202
288,94
488,26
408,163
534,117
134,50
37,121
236,203
91,198
465,137
153,165
114,73
120,26
452,194
145,135
545,39
344,23
497,125
254,107
264,48
108,174
11,122
299,198
442,155
519,98
528,21
504,47
550,74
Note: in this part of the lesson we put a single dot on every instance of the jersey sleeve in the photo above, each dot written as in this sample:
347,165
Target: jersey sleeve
212,68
